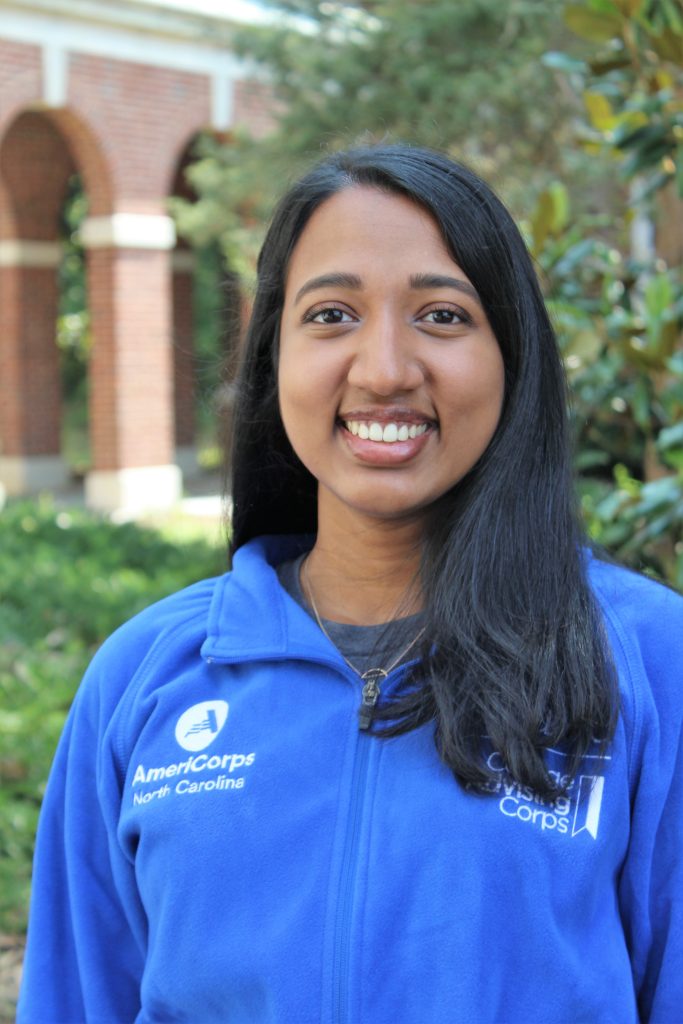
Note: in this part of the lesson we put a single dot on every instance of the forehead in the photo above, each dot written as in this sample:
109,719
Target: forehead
363,229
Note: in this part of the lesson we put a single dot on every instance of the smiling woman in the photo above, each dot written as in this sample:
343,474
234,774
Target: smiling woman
404,382
434,768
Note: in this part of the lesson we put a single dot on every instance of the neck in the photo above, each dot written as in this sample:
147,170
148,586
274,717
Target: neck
364,572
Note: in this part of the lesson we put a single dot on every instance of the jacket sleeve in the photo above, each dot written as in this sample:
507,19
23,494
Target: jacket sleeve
651,884
84,955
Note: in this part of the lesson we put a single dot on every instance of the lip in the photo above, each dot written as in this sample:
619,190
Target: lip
379,453
387,414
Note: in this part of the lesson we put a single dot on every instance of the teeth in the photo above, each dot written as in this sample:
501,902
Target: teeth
388,433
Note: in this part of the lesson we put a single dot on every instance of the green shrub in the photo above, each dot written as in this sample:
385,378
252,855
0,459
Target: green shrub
68,579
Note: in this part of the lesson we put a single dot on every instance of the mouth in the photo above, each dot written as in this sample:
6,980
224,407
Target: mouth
386,437
386,433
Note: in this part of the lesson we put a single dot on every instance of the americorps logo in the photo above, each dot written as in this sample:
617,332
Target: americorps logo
198,727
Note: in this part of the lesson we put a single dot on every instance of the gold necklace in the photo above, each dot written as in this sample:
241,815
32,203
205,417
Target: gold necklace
372,676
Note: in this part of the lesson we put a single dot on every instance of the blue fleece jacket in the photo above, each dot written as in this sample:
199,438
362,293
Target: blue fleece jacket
220,843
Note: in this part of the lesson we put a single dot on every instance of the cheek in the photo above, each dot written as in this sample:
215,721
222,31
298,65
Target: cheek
308,382
303,406
479,385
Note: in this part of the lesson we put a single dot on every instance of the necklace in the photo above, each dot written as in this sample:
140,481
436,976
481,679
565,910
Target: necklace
372,676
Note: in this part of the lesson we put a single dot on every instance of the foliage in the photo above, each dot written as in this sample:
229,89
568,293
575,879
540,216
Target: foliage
620,316
69,579
458,77
73,325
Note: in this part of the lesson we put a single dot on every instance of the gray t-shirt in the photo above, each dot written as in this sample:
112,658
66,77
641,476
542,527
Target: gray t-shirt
364,646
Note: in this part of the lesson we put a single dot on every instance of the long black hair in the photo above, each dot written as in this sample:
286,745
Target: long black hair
514,652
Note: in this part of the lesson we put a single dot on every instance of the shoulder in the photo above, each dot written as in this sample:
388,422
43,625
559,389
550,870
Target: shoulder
644,622
646,608
186,608
176,624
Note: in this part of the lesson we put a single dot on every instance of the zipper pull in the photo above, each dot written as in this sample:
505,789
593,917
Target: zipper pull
369,697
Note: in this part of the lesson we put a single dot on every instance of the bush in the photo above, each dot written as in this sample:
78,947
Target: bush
69,579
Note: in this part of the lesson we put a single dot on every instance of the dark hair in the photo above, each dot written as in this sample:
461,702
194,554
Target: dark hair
514,647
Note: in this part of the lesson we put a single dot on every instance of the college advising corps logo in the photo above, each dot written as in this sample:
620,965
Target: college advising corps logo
577,812
199,725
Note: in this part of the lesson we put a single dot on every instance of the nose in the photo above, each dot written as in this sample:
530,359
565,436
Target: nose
385,361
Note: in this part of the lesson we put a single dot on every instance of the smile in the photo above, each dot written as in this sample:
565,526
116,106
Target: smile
388,434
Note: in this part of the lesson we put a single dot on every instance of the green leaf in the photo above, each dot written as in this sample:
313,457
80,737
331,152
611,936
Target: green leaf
600,111
590,25
668,46
542,219
583,348
629,8
658,296
670,437
640,403
559,61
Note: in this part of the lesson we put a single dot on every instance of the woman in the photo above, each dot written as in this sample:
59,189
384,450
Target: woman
417,757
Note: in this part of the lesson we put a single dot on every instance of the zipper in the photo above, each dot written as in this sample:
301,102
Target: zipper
347,880
369,696
349,868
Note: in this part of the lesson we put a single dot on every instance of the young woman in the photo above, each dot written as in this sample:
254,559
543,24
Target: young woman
417,757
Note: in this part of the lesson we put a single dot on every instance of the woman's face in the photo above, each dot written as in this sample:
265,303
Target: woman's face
390,377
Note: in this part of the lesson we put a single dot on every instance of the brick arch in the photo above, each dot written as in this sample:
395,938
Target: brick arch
36,164
183,319
90,156
35,167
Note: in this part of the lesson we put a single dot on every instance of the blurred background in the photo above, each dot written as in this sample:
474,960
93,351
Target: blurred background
142,146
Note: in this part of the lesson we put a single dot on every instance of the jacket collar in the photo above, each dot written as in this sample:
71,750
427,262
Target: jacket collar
251,616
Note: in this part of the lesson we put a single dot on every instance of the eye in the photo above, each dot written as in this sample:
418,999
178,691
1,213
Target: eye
446,316
327,315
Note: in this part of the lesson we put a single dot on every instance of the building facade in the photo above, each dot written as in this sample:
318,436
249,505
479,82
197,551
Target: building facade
116,92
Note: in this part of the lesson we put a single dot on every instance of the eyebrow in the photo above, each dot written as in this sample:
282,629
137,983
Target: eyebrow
444,281
417,281
329,281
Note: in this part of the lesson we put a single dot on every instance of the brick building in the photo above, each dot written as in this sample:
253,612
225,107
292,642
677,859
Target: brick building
116,91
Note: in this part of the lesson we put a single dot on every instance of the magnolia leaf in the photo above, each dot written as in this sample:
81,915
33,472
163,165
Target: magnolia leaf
658,493
602,6
659,296
631,127
670,437
630,8
591,25
640,403
600,111
663,79
563,62
542,220
560,200
668,45
603,65
670,339
584,346
674,458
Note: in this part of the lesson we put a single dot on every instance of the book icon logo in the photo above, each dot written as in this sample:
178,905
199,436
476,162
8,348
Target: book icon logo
199,725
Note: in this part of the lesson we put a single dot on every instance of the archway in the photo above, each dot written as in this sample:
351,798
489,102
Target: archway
36,166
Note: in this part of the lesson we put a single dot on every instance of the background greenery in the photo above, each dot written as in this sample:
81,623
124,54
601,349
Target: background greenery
575,112
68,580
